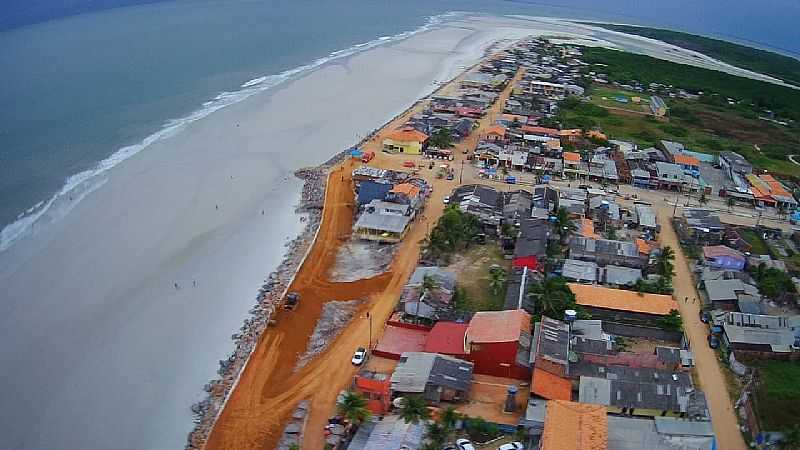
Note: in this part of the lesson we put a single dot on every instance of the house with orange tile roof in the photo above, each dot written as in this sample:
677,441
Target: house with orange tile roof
572,135
405,140
573,165
574,426
549,386
496,133
499,343
617,305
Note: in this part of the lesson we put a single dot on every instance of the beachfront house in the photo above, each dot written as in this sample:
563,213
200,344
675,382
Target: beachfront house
405,140
383,222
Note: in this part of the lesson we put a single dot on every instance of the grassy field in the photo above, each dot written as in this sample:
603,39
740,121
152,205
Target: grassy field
778,396
759,246
472,275
701,127
627,68
605,97
769,63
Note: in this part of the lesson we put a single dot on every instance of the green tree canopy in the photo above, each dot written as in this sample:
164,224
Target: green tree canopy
353,407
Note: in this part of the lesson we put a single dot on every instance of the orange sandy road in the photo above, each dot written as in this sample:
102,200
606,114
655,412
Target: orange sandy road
712,382
269,389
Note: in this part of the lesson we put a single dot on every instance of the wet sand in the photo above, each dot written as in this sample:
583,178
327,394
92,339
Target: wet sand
100,349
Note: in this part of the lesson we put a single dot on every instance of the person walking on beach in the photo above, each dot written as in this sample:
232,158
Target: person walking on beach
685,299
176,286
194,283
694,299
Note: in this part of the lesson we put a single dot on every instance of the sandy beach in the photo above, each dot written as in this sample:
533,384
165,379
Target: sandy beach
116,316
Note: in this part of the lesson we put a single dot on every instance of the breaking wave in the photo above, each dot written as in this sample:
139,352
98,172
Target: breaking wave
80,184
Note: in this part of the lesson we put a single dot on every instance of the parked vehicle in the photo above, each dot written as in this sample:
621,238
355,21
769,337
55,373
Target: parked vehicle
713,341
705,316
409,164
464,444
291,301
446,200
367,157
511,179
512,446
360,356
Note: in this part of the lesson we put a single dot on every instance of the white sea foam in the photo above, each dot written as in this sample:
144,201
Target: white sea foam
24,224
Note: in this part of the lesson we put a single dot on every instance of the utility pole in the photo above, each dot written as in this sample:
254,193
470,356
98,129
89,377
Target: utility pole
369,316
461,175
675,208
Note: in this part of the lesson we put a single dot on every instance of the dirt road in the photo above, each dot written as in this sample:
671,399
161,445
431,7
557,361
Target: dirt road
269,389
712,382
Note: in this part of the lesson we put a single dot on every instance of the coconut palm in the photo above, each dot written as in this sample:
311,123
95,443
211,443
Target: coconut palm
413,409
436,434
430,283
563,224
449,417
664,265
353,407
553,296
497,279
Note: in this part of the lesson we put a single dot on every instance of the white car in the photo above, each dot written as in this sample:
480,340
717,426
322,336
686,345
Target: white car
464,444
512,446
359,356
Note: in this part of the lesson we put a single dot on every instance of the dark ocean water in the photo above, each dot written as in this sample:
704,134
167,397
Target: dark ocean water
81,79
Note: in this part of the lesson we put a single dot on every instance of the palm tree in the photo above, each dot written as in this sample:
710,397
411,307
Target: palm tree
664,266
497,279
413,409
731,202
437,435
430,283
353,407
563,223
449,417
553,296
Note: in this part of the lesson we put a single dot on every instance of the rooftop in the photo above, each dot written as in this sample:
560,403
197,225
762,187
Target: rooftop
397,340
447,338
574,426
621,300
498,326
407,134
550,387
715,251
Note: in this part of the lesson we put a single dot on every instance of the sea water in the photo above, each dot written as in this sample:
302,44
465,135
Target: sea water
84,92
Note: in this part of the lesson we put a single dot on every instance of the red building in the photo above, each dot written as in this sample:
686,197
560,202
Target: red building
399,337
376,388
499,343
447,338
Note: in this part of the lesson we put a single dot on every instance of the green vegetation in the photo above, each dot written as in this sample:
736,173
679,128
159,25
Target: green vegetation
709,125
442,138
497,276
778,394
475,267
353,407
671,322
479,430
768,63
440,431
772,282
553,297
413,409
454,231
628,67
759,247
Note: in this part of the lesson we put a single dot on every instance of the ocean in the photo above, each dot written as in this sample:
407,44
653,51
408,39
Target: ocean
87,84
154,144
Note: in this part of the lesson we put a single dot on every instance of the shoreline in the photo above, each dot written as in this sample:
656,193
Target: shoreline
208,411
